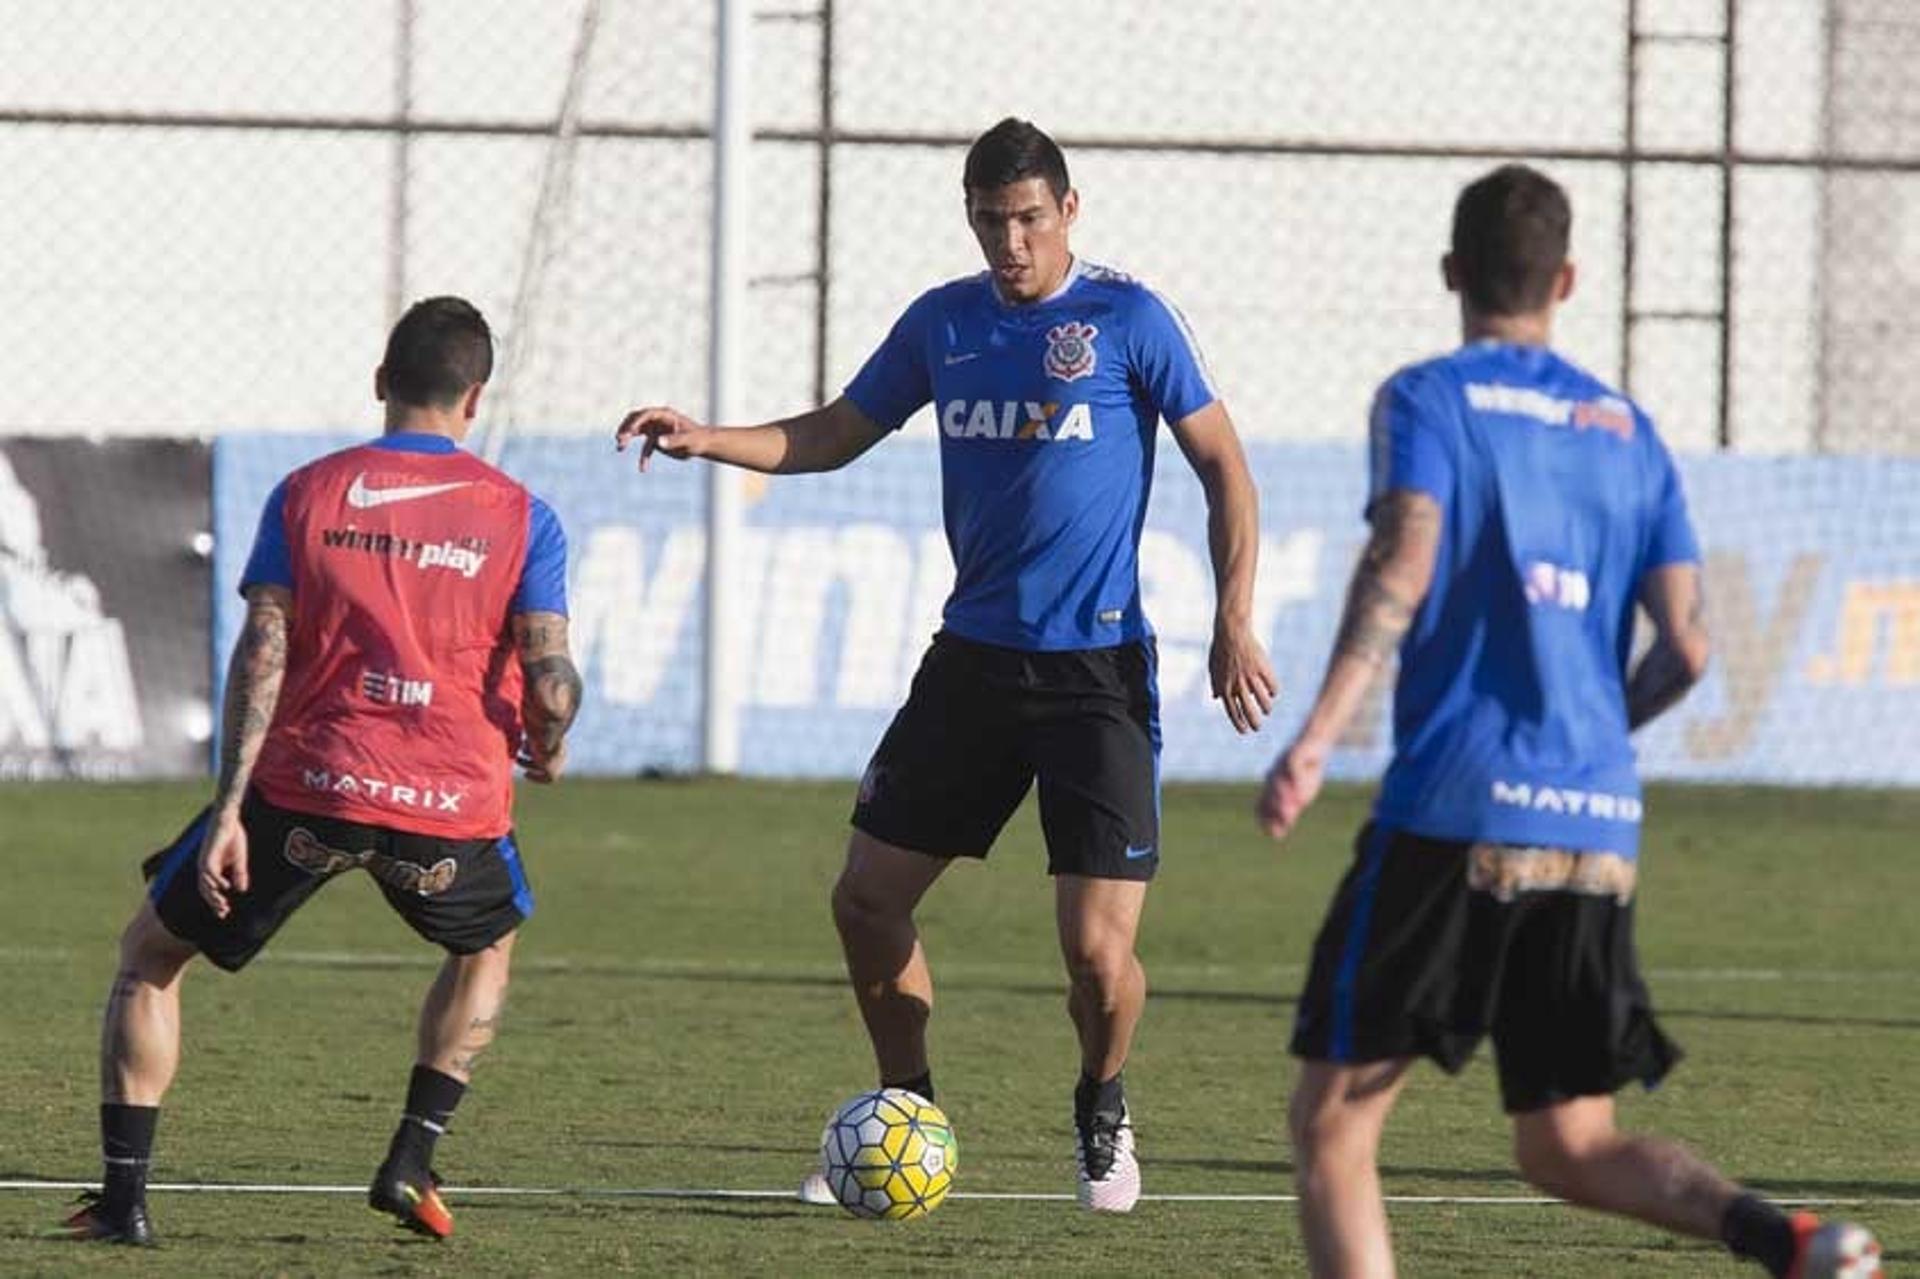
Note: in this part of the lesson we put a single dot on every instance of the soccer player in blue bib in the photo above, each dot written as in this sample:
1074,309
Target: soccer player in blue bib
1521,509
1048,377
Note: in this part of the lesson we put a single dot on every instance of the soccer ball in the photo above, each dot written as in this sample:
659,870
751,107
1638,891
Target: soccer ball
1842,1250
889,1153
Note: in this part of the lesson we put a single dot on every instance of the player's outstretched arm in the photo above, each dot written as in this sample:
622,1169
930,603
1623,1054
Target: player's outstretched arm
254,676
1388,586
1677,658
821,439
1243,679
551,696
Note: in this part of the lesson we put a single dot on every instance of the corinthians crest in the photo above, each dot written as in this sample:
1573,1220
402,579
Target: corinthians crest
1070,351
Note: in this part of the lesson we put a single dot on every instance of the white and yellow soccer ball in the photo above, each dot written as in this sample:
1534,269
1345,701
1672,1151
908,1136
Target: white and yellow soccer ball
889,1153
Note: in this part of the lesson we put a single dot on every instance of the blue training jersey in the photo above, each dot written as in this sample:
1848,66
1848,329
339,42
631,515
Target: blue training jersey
1557,496
1047,415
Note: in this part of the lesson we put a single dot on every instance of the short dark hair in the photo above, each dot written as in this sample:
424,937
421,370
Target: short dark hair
1013,151
1510,232
440,347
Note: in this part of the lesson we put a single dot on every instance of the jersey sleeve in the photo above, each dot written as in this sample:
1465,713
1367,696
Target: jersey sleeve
1408,434
1167,362
895,381
1670,536
270,563
543,578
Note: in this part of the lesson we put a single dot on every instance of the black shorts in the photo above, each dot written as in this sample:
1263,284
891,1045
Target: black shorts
1432,944
982,722
462,894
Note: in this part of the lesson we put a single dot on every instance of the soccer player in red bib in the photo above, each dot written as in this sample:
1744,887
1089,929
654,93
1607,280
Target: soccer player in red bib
405,644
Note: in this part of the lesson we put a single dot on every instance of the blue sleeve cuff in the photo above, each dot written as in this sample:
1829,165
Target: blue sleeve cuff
1410,448
270,563
543,578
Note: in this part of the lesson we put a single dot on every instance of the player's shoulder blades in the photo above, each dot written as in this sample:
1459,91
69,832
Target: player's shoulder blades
300,475
1540,383
368,452
494,472
1421,379
1586,379
1602,403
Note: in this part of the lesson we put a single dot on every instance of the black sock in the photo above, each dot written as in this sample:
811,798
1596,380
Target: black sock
921,1085
126,1148
431,1100
1105,1095
1755,1228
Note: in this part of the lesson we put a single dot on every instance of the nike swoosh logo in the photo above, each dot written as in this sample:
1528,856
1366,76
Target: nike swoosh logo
962,359
360,497
1135,854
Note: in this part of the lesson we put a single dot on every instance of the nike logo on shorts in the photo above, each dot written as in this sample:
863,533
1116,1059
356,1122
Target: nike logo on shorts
962,358
1135,854
360,497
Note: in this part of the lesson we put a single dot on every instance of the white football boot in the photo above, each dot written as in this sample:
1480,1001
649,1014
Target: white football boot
1103,1155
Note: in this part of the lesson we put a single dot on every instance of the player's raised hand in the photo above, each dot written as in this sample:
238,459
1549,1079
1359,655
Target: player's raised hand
223,862
1291,785
663,430
1243,679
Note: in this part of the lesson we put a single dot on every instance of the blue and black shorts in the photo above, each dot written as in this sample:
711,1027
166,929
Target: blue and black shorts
461,894
1432,945
982,723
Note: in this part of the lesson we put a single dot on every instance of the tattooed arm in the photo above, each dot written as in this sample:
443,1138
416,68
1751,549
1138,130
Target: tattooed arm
1677,659
1388,586
253,689
552,695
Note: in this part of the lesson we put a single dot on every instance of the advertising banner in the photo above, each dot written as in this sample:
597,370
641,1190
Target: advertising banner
104,636
1813,588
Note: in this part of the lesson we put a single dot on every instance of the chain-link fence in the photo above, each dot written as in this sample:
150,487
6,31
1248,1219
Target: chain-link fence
214,209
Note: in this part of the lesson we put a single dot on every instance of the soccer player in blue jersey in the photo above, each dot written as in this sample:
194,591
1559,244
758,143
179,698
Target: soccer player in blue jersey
1048,376
1521,508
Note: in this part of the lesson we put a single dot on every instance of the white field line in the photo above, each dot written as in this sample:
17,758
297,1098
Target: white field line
668,967
457,1193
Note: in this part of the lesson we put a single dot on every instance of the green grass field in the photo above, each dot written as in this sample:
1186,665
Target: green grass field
678,1020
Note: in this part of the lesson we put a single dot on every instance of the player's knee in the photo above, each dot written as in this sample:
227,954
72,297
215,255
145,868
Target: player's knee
845,903
857,908
1308,1126
1100,972
491,964
149,952
1323,1130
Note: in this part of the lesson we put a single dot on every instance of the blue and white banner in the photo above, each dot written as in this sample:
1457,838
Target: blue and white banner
1813,589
